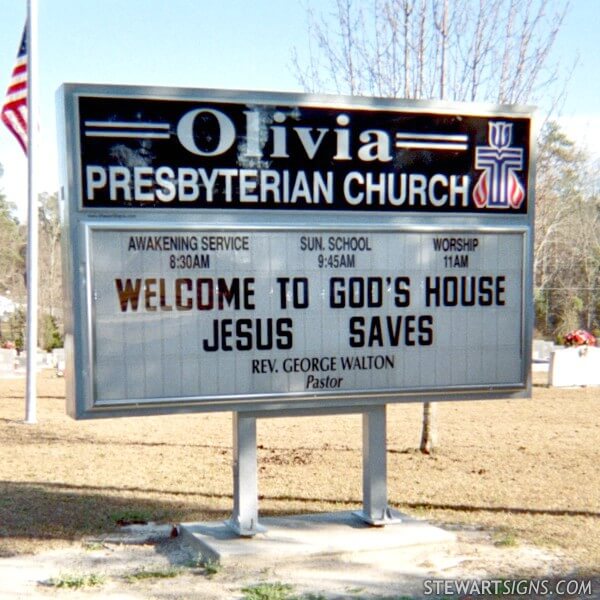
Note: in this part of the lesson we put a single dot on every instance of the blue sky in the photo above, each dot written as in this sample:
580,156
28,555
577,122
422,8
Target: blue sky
213,44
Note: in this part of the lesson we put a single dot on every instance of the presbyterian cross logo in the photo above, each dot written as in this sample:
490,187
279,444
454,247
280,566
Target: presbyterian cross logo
498,186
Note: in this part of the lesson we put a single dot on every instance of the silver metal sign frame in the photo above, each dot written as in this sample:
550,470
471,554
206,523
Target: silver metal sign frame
309,400
79,223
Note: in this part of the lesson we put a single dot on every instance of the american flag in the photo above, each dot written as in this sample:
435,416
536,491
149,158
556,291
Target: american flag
14,111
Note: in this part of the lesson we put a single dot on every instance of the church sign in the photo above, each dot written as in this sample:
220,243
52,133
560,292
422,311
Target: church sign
256,251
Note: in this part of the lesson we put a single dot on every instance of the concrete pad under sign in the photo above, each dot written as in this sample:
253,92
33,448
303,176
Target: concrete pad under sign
304,536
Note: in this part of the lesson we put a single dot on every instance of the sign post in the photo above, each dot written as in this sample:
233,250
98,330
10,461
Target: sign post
375,502
244,519
278,254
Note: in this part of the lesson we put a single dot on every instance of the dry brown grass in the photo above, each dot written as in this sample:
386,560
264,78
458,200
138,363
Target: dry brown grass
526,468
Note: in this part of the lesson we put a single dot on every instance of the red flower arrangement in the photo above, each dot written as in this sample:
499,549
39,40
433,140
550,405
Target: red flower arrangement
580,337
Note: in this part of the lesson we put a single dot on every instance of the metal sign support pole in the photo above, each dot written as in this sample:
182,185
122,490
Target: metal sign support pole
375,506
244,520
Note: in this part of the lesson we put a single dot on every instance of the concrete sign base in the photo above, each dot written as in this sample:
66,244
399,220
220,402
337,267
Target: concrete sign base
304,536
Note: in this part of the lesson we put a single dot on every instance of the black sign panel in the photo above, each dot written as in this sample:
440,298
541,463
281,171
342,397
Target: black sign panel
186,154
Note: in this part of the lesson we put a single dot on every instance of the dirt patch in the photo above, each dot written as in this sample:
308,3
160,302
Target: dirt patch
522,472
275,456
126,567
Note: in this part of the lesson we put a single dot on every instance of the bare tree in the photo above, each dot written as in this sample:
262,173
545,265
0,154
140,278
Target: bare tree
12,252
462,50
50,257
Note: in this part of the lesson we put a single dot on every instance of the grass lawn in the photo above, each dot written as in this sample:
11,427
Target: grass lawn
527,469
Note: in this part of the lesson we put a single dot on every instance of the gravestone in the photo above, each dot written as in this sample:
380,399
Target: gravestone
540,355
7,361
541,350
574,366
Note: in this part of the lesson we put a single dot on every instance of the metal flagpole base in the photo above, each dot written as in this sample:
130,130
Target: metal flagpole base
388,517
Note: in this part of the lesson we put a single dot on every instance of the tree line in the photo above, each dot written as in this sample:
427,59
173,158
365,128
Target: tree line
13,275
567,238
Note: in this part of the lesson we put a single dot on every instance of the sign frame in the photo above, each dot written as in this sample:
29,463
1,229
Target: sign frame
80,222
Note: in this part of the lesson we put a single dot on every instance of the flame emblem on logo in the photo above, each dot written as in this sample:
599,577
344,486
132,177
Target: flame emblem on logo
499,186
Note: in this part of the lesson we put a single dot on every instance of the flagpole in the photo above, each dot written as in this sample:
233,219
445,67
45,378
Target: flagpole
32,214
